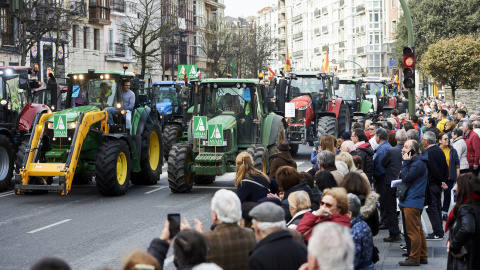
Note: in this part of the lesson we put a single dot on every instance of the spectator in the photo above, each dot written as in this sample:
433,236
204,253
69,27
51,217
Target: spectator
345,136
325,180
368,122
347,158
473,146
327,143
289,181
283,158
326,162
364,150
357,160
415,175
464,225
331,247
361,235
395,114
449,126
299,203
460,106
54,264
276,248
437,175
443,121
228,243
413,135
424,126
473,117
392,161
476,127
357,125
391,139
354,183
380,172
453,167
462,116
431,126
373,141
252,184
342,167
333,208
461,148
348,147
308,178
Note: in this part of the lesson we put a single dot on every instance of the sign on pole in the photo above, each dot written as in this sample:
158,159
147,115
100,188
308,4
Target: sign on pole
59,125
215,135
190,70
200,127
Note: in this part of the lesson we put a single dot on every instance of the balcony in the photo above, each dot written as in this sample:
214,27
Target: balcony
342,2
116,49
361,9
325,10
99,14
324,29
341,44
298,35
360,50
297,18
117,6
317,31
317,13
78,8
298,54
317,50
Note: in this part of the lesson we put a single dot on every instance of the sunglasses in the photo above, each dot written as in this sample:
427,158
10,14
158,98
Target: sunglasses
328,205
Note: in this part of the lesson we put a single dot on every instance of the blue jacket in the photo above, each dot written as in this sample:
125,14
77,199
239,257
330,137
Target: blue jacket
313,160
379,171
412,171
454,164
363,240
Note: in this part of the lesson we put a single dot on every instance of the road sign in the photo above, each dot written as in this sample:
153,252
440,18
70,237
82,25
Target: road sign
199,127
215,135
59,125
190,70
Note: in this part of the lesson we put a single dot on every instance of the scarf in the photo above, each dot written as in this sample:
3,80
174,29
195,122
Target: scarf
451,218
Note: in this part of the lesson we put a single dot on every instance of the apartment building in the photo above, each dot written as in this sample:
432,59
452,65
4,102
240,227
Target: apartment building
266,22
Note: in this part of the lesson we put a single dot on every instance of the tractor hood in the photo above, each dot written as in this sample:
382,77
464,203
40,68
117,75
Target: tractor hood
73,113
164,107
301,101
227,121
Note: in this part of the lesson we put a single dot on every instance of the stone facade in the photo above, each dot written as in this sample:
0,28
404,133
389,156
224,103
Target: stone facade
469,97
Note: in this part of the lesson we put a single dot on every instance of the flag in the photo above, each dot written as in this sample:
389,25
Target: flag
397,81
216,75
198,75
133,70
287,62
185,77
270,74
325,67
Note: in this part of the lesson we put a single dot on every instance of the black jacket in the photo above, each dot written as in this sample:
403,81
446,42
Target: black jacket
367,158
392,161
436,165
303,186
277,251
435,130
465,232
159,249
251,192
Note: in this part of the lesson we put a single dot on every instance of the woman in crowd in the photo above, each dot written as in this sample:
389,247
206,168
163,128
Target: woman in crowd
453,167
299,203
357,160
347,158
461,147
365,151
449,126
327,143
333,208
362,236
252,184
325,180
463,223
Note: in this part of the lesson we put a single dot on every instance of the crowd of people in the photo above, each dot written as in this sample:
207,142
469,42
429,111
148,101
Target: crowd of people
359,183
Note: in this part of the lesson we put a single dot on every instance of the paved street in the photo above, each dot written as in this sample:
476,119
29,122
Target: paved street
90,231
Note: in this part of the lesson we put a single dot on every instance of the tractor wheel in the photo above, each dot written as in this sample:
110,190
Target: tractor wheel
151,160
259,155
113,167
82,178
310,143
6,162
204,179
170,135
294,148
327,125
22,149
343,119
359,119
180,179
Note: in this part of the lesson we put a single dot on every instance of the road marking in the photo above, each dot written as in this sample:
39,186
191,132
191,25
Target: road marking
157,189
49,226
7,194
214,187
300,163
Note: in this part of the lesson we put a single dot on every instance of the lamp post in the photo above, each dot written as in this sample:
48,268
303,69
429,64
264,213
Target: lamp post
175,45
363,71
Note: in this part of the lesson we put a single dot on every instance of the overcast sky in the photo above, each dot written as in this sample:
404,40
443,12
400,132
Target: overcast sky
245,8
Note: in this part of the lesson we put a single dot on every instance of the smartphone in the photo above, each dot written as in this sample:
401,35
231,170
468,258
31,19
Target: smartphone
411,152
174,221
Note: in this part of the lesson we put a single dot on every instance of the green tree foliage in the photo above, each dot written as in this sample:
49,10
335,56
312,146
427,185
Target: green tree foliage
437,19
455,62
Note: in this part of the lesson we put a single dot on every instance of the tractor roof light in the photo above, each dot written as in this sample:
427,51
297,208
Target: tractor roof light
107,76
80,77
75,77
260,76
3,102
35,68
293,76
244,85
239,85
101,77
125,67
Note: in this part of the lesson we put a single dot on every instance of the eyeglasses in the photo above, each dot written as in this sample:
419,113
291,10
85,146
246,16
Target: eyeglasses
371,129
328,205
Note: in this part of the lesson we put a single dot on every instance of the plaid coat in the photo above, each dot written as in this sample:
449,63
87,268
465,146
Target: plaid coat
229,246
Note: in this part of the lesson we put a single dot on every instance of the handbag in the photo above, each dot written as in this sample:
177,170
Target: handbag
402,191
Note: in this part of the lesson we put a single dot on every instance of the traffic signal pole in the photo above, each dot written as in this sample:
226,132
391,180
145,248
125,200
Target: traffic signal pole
408,19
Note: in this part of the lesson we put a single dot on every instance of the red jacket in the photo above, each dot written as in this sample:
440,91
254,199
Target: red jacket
368,134
473,147
309,220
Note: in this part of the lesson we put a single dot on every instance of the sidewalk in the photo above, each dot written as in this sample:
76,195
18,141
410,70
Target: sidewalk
391,253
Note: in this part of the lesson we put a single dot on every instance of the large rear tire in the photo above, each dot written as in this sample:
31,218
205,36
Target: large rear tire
6,162
359,119
343,119
170,135
327,125
180,180
151,160
260,158
113,168
22,149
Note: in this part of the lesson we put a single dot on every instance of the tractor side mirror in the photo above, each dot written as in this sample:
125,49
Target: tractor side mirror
23,79
367,86
336,83
270,92
135,84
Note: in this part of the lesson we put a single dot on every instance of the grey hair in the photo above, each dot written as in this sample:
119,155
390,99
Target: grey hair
430,137
265,226
354,204
468,123
326,159
381,133
458,132
476,124
415,146
332,246
401,135
227,205
413,134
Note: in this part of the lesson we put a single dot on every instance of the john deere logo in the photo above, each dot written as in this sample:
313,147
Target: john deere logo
60,126
215,135
199,127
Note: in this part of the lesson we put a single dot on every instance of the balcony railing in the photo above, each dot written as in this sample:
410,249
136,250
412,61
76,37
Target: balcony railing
99,14
7,39
361,50
342,2
117,6
317,31
317,50
298,35
297,18
341,44
341,23
116,49
317,13
78,8
324,29
298,54
360,9
324,10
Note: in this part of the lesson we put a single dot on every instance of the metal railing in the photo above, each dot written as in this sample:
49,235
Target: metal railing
117,6
78,8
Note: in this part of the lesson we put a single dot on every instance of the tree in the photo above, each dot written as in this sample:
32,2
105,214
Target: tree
260,49
215,43
455,62
436,19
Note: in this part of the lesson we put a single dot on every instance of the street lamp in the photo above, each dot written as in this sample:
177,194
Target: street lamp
175,46
363,71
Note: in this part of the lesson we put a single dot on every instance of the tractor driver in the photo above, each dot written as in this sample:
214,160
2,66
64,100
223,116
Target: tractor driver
232,104
128,102
103,94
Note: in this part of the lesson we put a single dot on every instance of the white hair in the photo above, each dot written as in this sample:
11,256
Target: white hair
265,226
332,245
349,144
207,266
227,205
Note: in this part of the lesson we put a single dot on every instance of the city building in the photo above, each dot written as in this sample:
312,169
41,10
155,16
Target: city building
266,22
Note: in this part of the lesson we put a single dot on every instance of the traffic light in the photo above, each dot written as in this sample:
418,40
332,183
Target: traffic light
408,67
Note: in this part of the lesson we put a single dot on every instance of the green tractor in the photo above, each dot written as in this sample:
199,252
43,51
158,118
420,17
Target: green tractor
72,145
236,120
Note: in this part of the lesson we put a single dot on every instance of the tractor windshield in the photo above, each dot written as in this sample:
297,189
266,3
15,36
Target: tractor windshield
374,88
165,94
96,92
232,99
346,91
305,86
15,95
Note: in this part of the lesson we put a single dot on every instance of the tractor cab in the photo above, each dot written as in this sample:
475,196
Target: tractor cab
167,99
378,92
350,91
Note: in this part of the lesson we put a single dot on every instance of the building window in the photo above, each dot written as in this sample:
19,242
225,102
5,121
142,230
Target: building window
75,35
394,26
110,41
96,39
394,3
86,33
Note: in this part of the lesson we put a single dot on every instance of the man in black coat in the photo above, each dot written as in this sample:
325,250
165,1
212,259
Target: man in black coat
276,248
283,158
437,174
392,161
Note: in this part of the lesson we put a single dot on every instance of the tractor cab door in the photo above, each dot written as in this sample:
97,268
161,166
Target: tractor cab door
246,130
12,101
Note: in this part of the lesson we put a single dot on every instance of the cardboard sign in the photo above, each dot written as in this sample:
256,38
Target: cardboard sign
59,126
289,109
199,127
215,135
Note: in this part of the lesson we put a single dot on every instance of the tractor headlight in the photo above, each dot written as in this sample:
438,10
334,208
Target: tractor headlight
3,102
50,125
303,108
71,125
371,110
169,112
119,105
